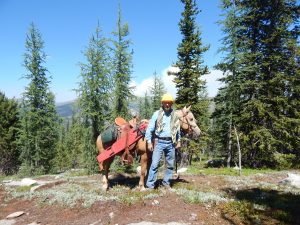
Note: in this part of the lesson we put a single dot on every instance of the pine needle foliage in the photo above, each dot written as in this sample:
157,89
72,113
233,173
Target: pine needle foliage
9,125
262,82
122,68
39,119
94,92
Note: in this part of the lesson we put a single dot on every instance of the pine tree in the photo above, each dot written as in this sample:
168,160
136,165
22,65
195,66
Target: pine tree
227,100
39,120
95,88
156,92
95,94
191,90
264,79
122,70
9,124
147,105
271,31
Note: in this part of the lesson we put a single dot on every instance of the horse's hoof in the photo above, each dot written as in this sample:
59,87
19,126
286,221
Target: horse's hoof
176,176
105,187
142,188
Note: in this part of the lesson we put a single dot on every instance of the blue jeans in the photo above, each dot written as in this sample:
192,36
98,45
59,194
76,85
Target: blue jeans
168,148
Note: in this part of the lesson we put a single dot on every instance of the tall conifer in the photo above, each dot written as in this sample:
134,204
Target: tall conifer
266,78
227,99
156,91
122,70
191,89
9,124
39,120
94,94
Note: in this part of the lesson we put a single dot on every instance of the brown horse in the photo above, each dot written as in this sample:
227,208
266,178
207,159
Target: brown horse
187,124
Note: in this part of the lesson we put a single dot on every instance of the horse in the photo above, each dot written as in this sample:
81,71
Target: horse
188,125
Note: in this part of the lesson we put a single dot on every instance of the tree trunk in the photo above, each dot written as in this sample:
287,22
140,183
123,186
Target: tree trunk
229,145
239,151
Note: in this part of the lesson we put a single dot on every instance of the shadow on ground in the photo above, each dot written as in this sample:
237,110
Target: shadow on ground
133,181
262,206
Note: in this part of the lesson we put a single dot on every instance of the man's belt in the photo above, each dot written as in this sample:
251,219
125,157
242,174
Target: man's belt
164,138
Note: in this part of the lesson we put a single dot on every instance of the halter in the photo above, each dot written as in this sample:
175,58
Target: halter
190,127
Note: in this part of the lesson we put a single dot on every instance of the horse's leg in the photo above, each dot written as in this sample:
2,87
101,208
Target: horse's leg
145,161
144,166
103,166
106,165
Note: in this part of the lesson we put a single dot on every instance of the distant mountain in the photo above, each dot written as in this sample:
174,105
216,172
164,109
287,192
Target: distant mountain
65,109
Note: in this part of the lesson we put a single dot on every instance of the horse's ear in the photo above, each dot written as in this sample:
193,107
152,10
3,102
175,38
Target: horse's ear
188,109
184,110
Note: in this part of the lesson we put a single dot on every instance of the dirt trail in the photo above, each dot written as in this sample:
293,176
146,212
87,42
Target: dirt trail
121,207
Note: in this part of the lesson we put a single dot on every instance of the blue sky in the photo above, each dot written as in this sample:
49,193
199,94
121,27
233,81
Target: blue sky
67,25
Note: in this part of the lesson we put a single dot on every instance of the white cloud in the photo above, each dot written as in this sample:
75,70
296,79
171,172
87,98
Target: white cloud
211,82
168,80
141,88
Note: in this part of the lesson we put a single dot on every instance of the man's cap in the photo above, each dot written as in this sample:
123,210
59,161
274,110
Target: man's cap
167,98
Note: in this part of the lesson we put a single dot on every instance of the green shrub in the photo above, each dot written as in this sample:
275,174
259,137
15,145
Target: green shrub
284,161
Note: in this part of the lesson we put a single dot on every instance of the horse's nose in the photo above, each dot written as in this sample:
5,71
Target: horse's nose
196,132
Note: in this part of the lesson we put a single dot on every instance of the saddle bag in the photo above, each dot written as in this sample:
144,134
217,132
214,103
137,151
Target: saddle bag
110,134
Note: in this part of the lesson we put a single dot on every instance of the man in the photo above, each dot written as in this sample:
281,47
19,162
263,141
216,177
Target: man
164,129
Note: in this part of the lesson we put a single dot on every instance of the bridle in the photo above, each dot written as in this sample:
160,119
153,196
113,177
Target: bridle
184,120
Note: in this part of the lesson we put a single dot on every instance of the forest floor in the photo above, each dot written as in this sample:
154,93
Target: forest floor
258,198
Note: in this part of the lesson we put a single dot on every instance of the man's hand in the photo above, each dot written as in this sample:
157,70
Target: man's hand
150,147
178,146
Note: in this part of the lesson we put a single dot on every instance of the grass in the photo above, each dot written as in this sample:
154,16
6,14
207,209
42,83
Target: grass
245,201
76,191
192,196
199,168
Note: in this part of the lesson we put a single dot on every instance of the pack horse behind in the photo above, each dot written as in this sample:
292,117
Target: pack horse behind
128,138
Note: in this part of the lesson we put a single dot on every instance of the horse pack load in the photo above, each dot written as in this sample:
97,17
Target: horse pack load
132,142
123,135
110,134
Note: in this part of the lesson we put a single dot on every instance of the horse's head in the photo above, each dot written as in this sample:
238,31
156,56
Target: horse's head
188,123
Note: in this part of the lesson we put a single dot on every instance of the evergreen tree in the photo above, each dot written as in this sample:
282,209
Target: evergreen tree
147,107
95,88
60,161
9,124
191,90
39,120
156,92
94,94
122,70
271,37
227,100
263,64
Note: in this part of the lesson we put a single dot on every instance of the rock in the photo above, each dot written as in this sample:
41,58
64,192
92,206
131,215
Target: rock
23,182
193,217
111,215
28,182
155,202
7,222
182,170
15,214
292,179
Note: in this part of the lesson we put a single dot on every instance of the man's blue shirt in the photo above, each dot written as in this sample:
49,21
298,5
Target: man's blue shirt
166,127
